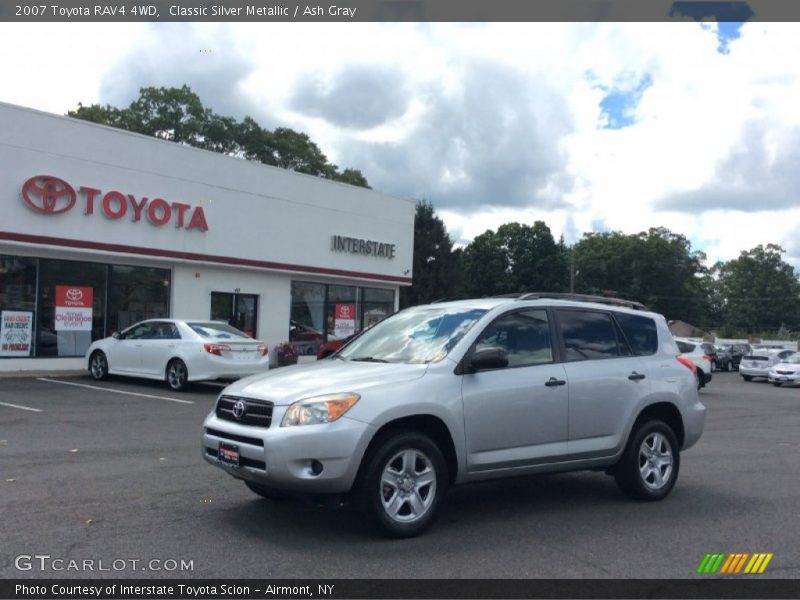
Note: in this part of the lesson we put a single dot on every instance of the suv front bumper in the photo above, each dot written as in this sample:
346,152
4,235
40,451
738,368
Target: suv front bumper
288,458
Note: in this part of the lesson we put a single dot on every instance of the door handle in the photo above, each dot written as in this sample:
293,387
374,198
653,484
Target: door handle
553,382
171,345
636,376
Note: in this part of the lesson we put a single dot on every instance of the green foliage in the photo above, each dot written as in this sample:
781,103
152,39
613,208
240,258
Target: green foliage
178,115
515,258
656,267
436,264
760,291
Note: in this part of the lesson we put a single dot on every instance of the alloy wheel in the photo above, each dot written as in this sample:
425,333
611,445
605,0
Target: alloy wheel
655,461
99,366
408,486
176,375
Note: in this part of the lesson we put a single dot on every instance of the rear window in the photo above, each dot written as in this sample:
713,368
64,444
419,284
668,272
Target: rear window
220,331
755,357
640,331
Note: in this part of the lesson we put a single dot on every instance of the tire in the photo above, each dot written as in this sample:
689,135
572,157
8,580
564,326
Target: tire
177,375
747,377
701,379
264,491
728,367
98,365
649,466
389,488
714,366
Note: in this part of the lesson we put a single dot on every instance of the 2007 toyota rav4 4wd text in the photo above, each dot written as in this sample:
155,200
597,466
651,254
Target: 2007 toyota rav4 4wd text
461,391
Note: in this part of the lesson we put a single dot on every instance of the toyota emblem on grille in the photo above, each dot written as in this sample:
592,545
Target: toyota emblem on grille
239,409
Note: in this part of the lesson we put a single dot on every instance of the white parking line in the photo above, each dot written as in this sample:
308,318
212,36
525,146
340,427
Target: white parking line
21,407
113,391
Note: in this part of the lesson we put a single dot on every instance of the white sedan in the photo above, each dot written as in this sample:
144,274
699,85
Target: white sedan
178,352
786,371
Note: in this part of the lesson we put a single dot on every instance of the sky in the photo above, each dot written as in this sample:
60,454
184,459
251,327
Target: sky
588,127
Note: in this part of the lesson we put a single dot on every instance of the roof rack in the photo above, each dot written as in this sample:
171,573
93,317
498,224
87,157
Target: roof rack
582,298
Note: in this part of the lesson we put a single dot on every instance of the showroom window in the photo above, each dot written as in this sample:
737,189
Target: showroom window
71,307
323,312
17,305
57,308
136,294
376,306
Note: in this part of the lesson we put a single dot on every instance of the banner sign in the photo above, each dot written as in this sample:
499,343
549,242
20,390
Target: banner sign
344,323
16,333
73,308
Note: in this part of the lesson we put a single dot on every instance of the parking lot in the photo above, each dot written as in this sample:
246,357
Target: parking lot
112,471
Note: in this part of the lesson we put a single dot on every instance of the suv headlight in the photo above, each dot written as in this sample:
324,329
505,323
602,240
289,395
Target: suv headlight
319,409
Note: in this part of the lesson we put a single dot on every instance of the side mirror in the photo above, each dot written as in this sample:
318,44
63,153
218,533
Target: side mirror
485,359
115,335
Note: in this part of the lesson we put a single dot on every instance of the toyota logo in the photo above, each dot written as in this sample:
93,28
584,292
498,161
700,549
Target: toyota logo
48,195
74,294
239,409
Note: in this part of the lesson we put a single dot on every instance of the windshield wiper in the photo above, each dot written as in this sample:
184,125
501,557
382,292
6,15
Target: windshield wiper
369,359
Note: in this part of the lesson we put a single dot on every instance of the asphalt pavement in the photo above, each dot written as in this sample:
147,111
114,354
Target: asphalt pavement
111,473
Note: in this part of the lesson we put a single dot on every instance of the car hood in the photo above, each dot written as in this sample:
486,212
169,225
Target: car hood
288,384
793,368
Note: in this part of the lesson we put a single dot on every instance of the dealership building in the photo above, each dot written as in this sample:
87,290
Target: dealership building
103,228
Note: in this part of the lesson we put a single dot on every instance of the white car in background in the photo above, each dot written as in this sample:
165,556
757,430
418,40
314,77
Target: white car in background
702,361
787,371
759,362
178,352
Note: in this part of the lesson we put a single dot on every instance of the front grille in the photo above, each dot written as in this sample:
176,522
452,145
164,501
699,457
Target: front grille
235,438
785,372
256,412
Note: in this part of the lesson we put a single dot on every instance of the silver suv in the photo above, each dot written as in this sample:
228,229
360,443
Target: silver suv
462,391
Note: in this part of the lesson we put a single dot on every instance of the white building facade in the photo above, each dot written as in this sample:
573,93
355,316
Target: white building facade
102,228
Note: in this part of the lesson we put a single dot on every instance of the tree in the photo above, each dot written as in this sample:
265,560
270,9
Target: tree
760,292
656,267
436,264
178,115
515,258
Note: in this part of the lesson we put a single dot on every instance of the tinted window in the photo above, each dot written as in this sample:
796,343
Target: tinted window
685,346
525,336
640,332
164,331
588,334
142,331
221,331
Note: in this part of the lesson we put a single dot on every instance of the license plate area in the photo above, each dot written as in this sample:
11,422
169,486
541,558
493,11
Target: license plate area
228,454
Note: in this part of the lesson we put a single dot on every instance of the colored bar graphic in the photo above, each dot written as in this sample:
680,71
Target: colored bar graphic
703,563
728,564
741,562
764,564
718,563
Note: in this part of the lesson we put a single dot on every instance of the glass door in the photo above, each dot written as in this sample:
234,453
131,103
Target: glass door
238,310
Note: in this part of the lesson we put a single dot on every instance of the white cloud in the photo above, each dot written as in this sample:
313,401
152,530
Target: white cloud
543,81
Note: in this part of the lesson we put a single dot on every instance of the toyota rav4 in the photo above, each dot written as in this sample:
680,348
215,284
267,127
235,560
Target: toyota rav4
462,391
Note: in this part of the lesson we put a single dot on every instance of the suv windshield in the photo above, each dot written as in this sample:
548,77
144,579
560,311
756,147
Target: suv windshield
415,335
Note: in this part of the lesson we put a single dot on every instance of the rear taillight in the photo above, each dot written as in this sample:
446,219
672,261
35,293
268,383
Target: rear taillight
707,357
262,349
687,362
216,349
